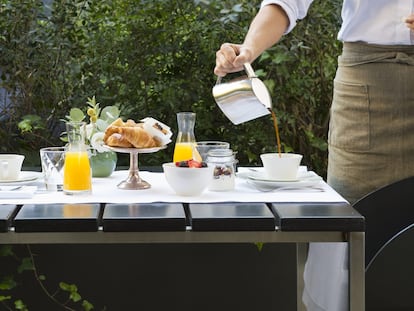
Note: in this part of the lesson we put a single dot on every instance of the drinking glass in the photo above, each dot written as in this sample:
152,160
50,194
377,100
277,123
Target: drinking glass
53,160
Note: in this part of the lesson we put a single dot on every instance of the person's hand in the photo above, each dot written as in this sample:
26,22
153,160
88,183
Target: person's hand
409,21
230,58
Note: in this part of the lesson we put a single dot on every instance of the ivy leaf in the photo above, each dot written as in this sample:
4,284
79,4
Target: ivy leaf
75,296
259,246
7,283
67,287
19,305
6,250
29,123
3,298
25,126
87,306
26,264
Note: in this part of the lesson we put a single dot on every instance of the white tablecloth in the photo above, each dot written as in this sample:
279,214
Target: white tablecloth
105,190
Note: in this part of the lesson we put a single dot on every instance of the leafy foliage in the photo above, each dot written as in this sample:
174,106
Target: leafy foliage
156,58
67,296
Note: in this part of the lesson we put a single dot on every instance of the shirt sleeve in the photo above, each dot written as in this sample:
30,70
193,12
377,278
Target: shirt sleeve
295,10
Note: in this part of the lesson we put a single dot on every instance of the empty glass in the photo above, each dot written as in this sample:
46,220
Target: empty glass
203,147
53,160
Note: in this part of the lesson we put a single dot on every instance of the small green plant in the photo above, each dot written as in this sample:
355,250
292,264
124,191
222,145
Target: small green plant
10,281
99,120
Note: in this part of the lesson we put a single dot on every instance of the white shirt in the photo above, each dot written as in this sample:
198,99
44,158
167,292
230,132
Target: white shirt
370,21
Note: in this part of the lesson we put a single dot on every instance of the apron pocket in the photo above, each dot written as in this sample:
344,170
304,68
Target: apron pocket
349,126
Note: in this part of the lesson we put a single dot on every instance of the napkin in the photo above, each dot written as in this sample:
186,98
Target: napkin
10,192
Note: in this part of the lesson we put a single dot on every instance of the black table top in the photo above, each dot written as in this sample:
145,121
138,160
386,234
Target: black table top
180,217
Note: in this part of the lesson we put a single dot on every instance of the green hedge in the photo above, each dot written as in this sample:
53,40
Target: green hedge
156,58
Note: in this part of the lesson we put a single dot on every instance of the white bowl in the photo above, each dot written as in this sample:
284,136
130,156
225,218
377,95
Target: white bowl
188,181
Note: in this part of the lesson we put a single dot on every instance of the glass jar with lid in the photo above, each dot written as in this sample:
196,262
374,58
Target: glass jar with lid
224,163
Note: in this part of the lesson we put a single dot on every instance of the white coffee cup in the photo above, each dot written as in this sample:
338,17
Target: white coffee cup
10,166
283,166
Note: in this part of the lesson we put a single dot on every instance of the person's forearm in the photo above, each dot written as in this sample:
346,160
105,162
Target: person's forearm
266,29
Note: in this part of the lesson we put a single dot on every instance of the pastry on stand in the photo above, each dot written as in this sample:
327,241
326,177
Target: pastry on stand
147,136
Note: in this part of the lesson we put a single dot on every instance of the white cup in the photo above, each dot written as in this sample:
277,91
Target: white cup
10,166
283,166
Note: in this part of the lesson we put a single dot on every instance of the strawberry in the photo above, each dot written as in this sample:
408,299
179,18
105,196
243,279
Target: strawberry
194,164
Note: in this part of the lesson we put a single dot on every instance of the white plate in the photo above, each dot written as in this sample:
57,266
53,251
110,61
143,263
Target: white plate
306,179
26,177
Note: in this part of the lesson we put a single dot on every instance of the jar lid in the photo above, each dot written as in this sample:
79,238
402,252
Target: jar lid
220,152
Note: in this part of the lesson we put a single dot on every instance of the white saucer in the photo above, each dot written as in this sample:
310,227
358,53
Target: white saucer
25,177
261,176
305,179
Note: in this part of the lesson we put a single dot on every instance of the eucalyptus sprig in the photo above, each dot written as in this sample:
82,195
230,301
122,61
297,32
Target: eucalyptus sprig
99,120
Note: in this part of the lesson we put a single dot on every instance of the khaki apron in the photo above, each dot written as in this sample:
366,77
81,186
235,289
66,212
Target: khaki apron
371,131
371,144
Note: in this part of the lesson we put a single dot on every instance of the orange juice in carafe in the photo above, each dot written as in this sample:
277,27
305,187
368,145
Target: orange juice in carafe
185,142
183,151
77,173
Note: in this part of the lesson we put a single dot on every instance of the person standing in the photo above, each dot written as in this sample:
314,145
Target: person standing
371,129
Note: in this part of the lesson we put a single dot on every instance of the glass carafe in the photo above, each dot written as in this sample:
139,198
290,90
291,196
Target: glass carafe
77,173
185,143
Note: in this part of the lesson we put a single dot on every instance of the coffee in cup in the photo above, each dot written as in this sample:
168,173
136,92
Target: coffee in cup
10,166
281,166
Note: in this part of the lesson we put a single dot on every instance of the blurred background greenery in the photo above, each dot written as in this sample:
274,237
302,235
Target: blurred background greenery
156,58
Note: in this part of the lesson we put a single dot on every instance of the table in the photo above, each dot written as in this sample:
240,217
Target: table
157,215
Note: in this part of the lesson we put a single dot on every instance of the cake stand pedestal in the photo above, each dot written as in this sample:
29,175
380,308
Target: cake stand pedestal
134,181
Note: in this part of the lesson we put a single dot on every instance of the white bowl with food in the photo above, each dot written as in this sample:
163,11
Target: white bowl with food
188,181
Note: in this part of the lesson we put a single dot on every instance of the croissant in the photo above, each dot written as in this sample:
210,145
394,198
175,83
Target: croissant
138,137
114,128
117,140
118,122
108,133
131,123
129,134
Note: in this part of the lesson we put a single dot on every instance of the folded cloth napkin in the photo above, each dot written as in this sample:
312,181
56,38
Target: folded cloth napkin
13,192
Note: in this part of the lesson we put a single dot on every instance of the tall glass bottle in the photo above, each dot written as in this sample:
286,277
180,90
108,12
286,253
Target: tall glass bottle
185,143
77,173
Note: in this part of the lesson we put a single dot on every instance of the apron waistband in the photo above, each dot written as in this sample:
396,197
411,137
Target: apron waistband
357,53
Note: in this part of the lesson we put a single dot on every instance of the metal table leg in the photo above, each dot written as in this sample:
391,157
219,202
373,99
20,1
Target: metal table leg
301,255
357,271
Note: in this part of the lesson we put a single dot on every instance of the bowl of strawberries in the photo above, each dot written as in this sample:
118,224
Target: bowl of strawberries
188,178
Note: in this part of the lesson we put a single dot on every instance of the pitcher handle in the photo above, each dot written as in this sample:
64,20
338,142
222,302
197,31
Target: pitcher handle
249,70
218,81
247,67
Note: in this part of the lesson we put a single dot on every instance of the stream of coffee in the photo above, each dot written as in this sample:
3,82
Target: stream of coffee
279,148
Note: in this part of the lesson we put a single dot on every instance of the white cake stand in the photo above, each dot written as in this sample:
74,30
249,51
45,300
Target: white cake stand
133,181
